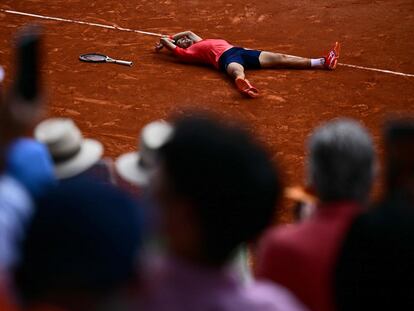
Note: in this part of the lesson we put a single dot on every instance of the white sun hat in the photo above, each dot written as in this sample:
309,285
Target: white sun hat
135,167
72,154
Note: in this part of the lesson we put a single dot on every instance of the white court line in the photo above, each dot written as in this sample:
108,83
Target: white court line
159,35
378,70
82,23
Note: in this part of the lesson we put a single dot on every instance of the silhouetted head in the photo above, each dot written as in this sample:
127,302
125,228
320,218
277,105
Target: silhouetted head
399,149
217,188
82,244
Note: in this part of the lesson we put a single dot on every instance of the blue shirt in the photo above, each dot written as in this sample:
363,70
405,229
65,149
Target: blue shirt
16,208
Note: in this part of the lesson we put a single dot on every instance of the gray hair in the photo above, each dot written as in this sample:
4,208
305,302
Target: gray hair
341,161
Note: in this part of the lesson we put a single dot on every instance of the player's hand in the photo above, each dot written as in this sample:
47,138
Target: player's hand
167,38
158,46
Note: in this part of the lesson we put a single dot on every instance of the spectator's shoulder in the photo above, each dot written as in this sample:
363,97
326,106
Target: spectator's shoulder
284,236
280,254
266,296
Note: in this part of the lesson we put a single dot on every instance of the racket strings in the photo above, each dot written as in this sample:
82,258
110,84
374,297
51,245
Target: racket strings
93,57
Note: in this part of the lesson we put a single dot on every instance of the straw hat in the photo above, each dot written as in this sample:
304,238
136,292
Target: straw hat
71,153
135,167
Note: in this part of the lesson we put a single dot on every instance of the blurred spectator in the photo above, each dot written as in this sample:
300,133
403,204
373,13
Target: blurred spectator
216,189
302,256
376,267
25,167
29,174
73,155
399,148
81,249
136,167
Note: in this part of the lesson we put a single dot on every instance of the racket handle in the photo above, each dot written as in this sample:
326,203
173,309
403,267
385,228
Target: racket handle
123,62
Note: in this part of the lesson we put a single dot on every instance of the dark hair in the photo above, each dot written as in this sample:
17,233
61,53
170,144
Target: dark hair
84,237
228,177
399,147
176,41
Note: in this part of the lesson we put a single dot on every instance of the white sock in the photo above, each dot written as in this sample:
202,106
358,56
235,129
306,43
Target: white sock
317,62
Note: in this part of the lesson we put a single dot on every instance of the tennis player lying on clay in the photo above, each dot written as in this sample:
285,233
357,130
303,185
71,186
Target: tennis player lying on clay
189,47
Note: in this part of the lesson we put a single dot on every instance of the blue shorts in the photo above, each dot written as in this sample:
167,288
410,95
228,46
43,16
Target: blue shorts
249,59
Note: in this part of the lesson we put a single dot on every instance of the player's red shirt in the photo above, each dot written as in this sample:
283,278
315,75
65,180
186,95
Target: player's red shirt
207,51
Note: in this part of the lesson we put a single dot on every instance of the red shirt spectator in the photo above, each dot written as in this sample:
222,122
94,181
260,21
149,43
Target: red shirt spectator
302,257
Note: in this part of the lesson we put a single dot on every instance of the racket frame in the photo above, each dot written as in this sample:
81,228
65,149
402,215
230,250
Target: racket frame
105,59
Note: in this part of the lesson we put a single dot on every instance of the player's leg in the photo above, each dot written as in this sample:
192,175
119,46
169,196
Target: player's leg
278,60
236,71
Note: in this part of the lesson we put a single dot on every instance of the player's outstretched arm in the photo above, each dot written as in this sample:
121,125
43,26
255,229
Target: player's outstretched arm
189,34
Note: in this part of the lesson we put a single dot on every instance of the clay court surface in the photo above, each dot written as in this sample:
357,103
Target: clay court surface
112,102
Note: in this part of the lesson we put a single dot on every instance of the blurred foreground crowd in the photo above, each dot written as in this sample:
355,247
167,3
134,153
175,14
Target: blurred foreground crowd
186,221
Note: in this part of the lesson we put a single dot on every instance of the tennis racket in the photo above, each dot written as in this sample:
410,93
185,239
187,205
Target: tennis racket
100,58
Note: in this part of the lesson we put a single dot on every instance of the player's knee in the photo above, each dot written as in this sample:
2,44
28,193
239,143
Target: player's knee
233,71
238,71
